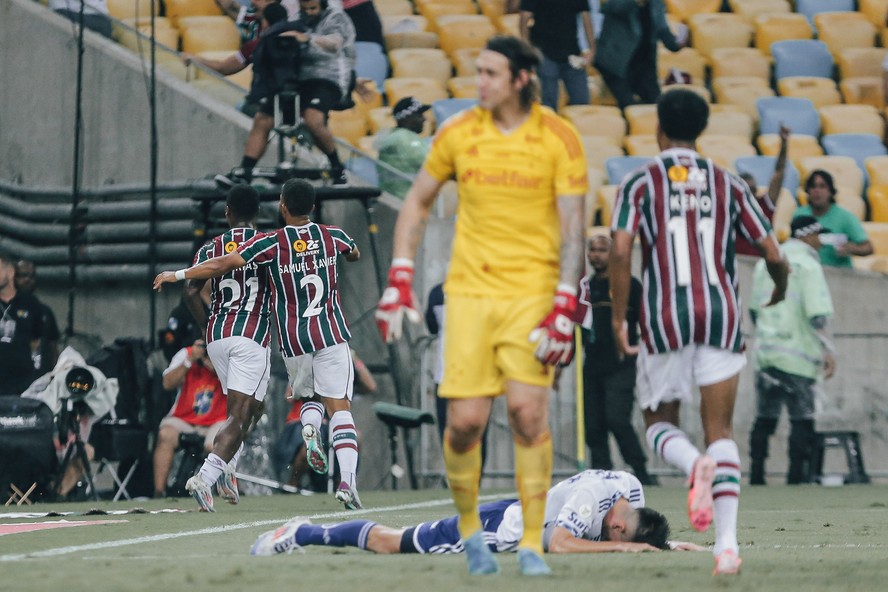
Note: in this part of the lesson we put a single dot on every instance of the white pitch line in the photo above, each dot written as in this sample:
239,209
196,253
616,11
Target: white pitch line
216,529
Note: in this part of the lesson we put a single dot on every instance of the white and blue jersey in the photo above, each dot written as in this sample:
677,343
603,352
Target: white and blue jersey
578,504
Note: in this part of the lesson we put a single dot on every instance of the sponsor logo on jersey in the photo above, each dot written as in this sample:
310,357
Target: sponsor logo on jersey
502,179
303,247
230,246
677,174
684,179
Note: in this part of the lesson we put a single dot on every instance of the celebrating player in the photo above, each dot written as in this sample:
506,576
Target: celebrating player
688,212
521,174
302,262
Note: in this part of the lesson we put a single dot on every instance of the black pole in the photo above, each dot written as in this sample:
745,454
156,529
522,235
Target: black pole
74,220
152,218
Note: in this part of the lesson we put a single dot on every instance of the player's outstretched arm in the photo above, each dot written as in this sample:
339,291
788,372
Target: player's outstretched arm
563,541
206,270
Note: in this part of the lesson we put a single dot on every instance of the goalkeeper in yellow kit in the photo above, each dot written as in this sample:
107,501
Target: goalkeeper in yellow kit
511,287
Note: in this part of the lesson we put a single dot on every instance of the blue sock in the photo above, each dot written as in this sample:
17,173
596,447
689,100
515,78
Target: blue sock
346,534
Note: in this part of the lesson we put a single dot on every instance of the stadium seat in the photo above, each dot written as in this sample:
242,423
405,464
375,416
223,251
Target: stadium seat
877,232
686,59
426,90
685,9
408,39
393,7
724,149
597,152
350,125
125,9
700,90
798,114
809,8
464,32
142,24
714,31
371,62
783,212
380,119
508,24
857,146
642,145
434,11
370,96
770,28
860,61
492,8
642,119
742,92
841,30
740,61
164,34
877,197
734,123
750,9
851,119
464,61
801,57
444,109
463,87
176,9
596,182
820,91
597,120
863,90
874,11
242,78
404,22
844,169
420,63
798,148
620,166
877,169
218,35
762,168
606,196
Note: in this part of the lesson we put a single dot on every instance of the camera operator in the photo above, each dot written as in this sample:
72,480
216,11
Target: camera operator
326,39
199,408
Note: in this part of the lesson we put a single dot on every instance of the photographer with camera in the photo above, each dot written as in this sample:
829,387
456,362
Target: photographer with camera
199,408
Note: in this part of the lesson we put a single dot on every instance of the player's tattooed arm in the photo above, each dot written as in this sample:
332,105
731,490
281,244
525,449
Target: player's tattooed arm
571,217
414,216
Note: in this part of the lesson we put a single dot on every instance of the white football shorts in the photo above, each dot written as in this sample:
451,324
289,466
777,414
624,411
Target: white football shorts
329,372
241,364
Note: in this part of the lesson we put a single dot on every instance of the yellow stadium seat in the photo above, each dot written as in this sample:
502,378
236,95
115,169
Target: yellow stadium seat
408,39
142,24
820,91
877,169
641,145
597,120
844,170
700,90
877,196
393,7
380,119
463,87
508,24
799,147
874,10
464,32
350,125
426,90
208,33
167,37
607,195
598,151
860,61
124,9
686,59
435,11
725,149
369,97
750,9
863,90
742,91
685,9
783,210
464,61
242,78
878,235
420,63
732,123
642,119
400,23
176,9
740,61
851,119
713,31
596,181
841,30
492,8
778,27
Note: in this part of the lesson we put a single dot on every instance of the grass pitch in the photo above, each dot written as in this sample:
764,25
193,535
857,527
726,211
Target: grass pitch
799,538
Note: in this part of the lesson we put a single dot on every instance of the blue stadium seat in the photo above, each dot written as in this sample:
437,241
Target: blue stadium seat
808,8
443,109
363,168
762,168
798,114
619,166
802,57
857,146
371,62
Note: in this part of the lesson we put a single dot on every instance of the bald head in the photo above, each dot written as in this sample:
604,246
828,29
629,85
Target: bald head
598,252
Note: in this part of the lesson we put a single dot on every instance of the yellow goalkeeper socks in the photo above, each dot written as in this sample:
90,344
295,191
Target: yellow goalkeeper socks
464,474
533,474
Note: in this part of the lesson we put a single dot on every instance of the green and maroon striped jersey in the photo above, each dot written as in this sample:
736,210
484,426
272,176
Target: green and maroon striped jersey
303,276
239,305
688,212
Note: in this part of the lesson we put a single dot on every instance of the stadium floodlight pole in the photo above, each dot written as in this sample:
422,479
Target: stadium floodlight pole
74,220
152,217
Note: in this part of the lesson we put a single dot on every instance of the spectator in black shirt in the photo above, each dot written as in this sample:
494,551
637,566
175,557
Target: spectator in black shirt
26,281
551,27
608,381
21,327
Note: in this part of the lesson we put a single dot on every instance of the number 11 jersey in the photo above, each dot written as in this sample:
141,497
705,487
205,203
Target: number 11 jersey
301,262
239,306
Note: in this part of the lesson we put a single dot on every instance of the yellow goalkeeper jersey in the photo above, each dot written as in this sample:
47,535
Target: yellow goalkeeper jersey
508,235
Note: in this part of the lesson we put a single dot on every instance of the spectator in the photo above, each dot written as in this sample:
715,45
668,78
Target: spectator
95,14
363,15
26,281
402,148
552,28
199,408
21,329
627,49
766,199
247,14
793,349
845,234
326,74
608,381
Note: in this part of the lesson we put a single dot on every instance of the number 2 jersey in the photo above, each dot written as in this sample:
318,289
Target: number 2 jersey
301,262
688,212
239,306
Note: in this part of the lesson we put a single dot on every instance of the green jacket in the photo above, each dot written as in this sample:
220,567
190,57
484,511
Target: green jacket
621,34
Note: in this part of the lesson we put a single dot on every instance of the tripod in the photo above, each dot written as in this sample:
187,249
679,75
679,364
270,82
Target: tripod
69,419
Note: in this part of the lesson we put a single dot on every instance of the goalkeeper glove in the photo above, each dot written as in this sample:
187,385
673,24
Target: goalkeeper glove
397,300
554,335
